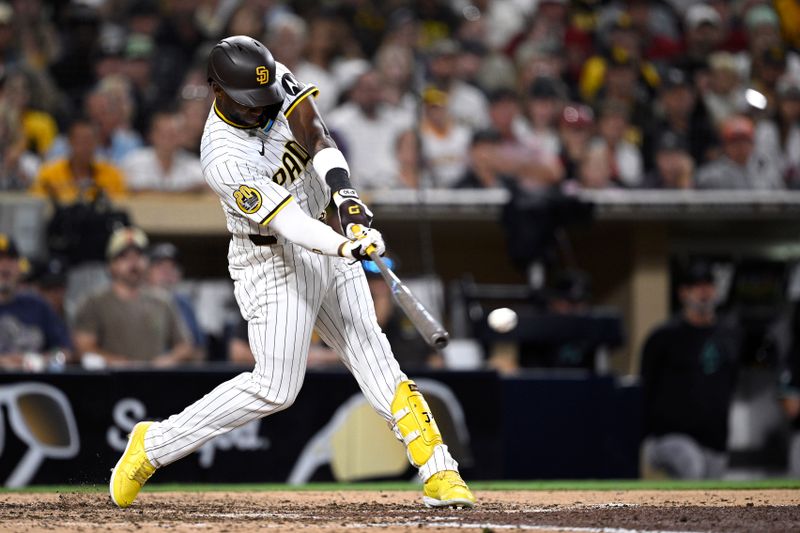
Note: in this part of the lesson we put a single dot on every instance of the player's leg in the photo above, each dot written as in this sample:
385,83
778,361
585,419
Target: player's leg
347,322
287,295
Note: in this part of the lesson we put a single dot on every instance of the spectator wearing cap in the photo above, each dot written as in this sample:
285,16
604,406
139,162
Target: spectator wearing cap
532,162
683,113
625,44
445,142
49,280
129,324
164,272
778,138
164,166
369,129
30,330
543,105
576,128
689,368
80,176
739,167
704,33
725,92
766,70
138,69
621,85
466,103
674,166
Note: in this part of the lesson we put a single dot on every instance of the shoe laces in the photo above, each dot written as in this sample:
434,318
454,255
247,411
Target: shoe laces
456,481
142,472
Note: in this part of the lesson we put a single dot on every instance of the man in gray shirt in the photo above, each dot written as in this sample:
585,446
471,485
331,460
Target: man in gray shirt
740,166
128,324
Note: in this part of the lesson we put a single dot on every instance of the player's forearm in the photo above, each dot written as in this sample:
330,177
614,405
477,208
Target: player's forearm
293,224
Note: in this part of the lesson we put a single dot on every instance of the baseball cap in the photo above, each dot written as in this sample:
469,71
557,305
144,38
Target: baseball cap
577,115
546,87
696,272
124,239
760,15
699,14
736,127
671,142
163,251
434,96
7,246
674,78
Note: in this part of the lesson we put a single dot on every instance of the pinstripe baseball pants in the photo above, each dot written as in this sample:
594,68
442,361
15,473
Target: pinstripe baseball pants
284,292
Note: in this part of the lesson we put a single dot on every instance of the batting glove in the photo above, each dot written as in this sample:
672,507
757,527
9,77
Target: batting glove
368,240
352,211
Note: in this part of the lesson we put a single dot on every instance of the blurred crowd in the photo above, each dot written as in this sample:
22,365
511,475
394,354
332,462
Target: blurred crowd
112,94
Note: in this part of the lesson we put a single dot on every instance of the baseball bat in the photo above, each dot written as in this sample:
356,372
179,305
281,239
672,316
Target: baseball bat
430,328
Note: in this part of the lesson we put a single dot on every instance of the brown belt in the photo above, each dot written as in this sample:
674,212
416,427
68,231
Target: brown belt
263,240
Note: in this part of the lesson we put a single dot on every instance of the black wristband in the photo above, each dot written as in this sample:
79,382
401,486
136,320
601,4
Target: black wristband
337,178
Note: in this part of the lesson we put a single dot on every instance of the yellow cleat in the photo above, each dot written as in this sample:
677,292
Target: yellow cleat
132,470
447,489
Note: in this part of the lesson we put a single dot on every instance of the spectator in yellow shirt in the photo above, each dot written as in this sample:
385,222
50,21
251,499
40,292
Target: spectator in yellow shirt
79,176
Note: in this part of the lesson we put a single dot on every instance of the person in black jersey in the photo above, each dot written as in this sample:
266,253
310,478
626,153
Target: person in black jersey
689,369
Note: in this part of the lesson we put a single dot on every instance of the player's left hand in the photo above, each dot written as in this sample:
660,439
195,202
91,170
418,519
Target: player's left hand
366,241
352,211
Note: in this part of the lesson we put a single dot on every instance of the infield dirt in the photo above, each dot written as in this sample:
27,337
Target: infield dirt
764,511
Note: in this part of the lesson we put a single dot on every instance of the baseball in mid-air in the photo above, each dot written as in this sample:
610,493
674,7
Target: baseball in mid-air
502,320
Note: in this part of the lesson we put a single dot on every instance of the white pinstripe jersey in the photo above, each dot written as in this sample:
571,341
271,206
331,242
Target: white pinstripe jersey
257,171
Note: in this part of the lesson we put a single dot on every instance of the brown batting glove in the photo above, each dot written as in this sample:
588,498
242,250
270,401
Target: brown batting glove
352,211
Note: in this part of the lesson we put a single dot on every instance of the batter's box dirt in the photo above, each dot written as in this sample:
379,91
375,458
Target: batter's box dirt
389,511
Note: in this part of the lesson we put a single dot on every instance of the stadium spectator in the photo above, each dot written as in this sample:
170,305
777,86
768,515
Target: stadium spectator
79,176
31,334
466,103
576,128
138,69
779,138
725,94
483,170
164,165
681,112
674,167
740,167
689,369
49,280
534,164
445,142
164,272
129,324
110,108
596,169
410,171
538,129
369,129
613,128
705,32
287,39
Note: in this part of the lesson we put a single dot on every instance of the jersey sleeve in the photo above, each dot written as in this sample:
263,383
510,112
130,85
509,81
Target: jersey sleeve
296,91
244,190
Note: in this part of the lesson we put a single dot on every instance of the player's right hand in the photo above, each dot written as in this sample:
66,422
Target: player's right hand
360,247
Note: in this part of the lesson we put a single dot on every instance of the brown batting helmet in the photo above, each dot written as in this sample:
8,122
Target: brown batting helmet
245,70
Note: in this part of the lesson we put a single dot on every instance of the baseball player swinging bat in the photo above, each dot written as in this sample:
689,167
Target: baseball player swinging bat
430,328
